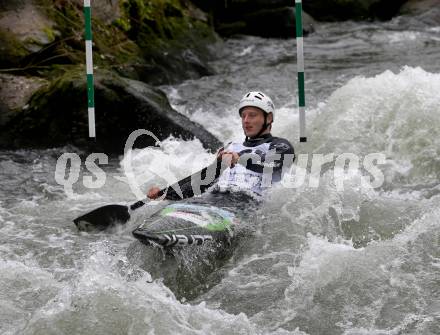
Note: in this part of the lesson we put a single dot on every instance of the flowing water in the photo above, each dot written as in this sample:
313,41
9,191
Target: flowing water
322,259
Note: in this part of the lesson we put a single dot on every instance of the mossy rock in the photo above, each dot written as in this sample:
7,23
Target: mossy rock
111,47
174,44
156,41
57,115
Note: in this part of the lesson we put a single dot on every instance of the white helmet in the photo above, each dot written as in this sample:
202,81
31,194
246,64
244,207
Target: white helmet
257,99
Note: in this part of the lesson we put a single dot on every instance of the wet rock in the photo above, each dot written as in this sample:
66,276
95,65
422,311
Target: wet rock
159,42
278,22
338,10
15,92
57,115
24,30
175,39
275,18
266,22
105,10
228,29
174,65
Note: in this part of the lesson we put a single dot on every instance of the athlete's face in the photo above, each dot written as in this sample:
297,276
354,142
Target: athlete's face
252,120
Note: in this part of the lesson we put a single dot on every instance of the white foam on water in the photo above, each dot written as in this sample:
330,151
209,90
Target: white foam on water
25,287
323,261
434,29
108,296
381,288
162,166
395,114
371,289
246,51
396,37
226,128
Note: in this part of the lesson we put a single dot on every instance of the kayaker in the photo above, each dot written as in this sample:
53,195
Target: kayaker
265,155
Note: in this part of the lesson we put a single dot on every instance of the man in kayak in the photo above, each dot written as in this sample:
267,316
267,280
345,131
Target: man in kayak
242,172
255,164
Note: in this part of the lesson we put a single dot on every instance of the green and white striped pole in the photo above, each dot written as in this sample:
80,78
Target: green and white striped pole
300,64
89,68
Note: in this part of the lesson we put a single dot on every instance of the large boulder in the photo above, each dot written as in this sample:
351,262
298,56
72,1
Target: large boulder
234,9
57,115
175,39
337,10
278,22
15,92
264,18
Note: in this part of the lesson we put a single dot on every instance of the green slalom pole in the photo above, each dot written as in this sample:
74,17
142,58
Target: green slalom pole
300,64
89,68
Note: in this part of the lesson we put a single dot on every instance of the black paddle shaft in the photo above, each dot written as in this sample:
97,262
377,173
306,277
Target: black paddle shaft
189,184
186,185
106,216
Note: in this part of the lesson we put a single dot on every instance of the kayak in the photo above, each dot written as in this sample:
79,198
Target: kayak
186,242
186,224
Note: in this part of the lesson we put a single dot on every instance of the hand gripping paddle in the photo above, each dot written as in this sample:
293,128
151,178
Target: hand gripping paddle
106,216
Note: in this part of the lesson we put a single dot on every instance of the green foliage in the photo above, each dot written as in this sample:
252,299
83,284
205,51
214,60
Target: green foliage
123,23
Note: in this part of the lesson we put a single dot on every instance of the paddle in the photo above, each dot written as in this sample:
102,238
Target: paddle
109,215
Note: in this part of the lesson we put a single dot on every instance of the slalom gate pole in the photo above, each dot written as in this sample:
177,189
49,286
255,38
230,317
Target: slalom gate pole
300,66
89,68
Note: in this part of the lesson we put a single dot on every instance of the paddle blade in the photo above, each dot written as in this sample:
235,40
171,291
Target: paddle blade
103,218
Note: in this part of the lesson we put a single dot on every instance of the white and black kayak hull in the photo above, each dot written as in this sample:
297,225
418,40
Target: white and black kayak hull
187,224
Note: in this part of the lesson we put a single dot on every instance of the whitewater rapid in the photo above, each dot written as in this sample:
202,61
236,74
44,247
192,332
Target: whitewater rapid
320,261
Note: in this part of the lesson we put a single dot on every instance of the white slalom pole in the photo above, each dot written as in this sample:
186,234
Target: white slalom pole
300,65
89,67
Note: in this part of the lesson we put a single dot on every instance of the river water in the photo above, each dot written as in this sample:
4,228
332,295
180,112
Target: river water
321,259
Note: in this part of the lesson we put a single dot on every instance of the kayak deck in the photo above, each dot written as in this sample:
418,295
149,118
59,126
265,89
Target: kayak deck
186,224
